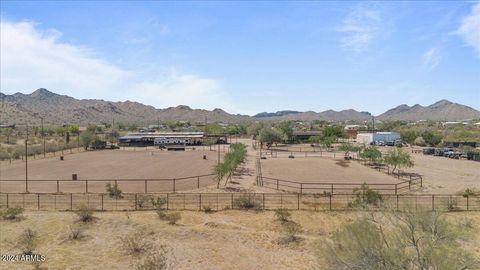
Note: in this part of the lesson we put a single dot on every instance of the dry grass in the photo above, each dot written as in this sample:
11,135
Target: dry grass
221,240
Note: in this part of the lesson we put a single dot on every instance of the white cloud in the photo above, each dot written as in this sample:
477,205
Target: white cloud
361,26
31,59
469,29
431,59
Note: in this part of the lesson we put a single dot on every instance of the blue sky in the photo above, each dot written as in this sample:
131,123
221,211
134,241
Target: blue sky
246,57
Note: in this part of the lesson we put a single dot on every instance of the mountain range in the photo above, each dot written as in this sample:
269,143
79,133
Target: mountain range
56,109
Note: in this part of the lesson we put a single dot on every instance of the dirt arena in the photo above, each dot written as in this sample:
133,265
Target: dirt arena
445,175
112,164
339,172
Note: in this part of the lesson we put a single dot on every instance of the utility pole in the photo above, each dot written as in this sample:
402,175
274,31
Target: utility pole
26,160
373,124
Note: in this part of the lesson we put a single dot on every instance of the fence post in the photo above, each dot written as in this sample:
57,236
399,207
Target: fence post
433,202
330,202
102,202
263,201
410,184
167,201
58,186
301,188
198,182
38,201
232,201
277,184
173,184
397,202
467,202
7,200
86,186
71,201
331,190
200,202
421,181
136,201
396,189
298,200
146,189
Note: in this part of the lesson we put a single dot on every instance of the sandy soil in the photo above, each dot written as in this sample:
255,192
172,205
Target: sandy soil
322,170
114,164
222,240
446,176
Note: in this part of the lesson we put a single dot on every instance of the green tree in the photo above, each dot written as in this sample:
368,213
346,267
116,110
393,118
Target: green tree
408,136
328,141
347,148
73,129
333,131
398,158
431,138
86,138
270,136
286,129
372,153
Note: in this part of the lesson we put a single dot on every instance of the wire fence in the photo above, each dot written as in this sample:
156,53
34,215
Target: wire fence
303,154
98,185
223,201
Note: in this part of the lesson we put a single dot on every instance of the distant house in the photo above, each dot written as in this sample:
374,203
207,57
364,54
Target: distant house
304,136
352,130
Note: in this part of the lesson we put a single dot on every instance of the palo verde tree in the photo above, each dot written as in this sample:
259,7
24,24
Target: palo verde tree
231,161
371,153
347,148
86,138
286,129
398,158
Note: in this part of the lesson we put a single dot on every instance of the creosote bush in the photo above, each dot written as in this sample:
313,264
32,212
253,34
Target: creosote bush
246,202
11,213
207,209
135,243
364,197
75,233
113,190
282,215
290,230
171,217
155,260
158,203
85,214
27,241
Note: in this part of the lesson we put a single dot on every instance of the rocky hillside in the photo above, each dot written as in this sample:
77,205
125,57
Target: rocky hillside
21,108
57,109
442,110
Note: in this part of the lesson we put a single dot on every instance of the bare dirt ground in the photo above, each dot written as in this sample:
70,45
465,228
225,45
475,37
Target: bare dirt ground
115,164
221,240
444,175
323,170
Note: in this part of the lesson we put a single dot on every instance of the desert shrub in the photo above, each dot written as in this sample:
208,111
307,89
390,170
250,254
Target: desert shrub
27,241
290,231
171,217
207,209
142,200
85,214
135,243
420,141
11,213
246,202
282,215
410,239
470,192
75,233
157,260
113,190
158,203
364,197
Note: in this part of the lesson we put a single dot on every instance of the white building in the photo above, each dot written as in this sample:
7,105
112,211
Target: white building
385,137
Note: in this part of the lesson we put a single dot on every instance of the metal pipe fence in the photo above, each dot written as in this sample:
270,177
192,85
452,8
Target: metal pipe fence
338,188
224,201
98,185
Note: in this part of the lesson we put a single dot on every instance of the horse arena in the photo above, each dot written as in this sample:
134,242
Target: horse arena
130,168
